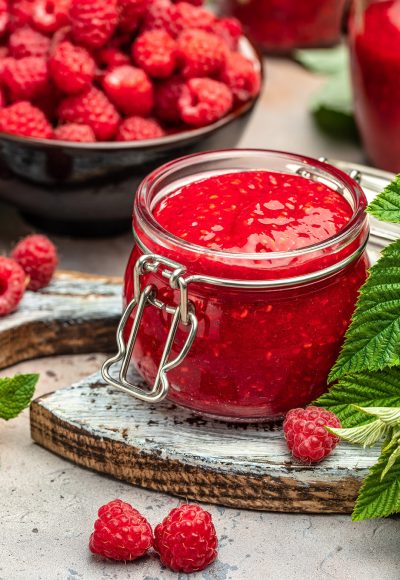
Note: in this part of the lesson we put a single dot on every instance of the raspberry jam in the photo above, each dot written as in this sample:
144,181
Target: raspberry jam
375,56
283,25
271,249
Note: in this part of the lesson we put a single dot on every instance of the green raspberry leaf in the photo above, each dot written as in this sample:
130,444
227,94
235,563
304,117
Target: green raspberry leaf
386,206
365,435
373,389
373,338
379,496
16,394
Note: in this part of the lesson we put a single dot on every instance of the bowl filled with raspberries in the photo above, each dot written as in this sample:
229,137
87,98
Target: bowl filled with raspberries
102,91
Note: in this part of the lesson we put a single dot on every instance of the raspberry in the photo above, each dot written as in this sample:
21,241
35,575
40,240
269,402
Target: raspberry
12,285
4,17
91,108
155,52
194,2
49,101
37,256
20,13
75,132
26,78
111,57
138,129
130,89
230,30
50,15
202,54
167,95
204,101
93,21
120,532
241,77
186,539
131,13
306,436
27,42
71,67
185,16
158,15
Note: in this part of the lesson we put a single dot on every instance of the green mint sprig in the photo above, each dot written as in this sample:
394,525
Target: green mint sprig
16,394
366,396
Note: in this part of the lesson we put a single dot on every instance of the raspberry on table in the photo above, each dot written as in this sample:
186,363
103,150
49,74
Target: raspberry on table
306,436
131,13
185,16
71,67
204,101
75,132
201,53
139,128
93,21
28,42
24,119
120,532
130,89
26,78
12,285
50,15
167,95
92,108
155,52
186,539
230,30
37,256
241,77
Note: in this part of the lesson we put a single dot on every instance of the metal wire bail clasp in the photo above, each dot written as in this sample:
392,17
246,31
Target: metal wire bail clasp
182,313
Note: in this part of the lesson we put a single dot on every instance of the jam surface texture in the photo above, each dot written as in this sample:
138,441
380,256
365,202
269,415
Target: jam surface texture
257,352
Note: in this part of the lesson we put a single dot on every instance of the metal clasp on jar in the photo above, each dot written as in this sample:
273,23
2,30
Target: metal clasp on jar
147,297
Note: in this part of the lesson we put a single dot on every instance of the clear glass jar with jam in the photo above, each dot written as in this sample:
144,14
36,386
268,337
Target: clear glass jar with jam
281,26
242,281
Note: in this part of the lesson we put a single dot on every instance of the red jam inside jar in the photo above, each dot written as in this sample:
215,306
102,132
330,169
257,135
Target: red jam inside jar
374,36
281,26
273,250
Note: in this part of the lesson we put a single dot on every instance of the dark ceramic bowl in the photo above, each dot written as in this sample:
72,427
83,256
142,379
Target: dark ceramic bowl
87,189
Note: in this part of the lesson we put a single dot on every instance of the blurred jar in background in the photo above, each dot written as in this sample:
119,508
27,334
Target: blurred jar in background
280,26
374,38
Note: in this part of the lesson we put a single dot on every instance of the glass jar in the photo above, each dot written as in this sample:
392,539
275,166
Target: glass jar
280,26
374,39
250,336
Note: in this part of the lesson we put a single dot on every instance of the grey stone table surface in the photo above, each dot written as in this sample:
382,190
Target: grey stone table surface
47,505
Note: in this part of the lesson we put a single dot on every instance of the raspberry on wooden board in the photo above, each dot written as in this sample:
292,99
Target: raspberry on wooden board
37,256
12,285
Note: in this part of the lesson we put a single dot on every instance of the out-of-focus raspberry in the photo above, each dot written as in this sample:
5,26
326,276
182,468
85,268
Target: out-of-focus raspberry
201,53
93,21
131,14
230,30
26,78
12,285
28,42
157,15
167,94
75,132
241,77
50,15
130,89
91,108
4,16
26,120
155,52
71,67
204,101
184,16
139,128
109,58
20,13
37,256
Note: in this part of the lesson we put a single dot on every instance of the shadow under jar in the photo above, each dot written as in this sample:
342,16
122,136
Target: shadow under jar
281,26
260,329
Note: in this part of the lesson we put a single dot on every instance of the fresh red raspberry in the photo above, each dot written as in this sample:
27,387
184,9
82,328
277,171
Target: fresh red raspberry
155,52
230,30
139,128
12,285
131,13
194,2
37,256
110,57
75,132
306,436
91,108
130,89
167,95
4,16
120,532
26,78
71,67
184,16
157,15
50,15
204,101
2,98
201,53
20,13
186,539
93,21
28,42
241,77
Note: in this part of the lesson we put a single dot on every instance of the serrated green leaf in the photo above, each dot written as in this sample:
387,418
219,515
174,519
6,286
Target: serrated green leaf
16,394
395,455
379,497
373,339
386,206
388,415
365,435
369,389
324,60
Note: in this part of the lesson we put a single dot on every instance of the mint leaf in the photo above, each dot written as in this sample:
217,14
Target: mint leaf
324,60
379,496
386,206
16,394
373,389
373,338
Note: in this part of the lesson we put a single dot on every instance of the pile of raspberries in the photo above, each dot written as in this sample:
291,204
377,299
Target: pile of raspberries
117,70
